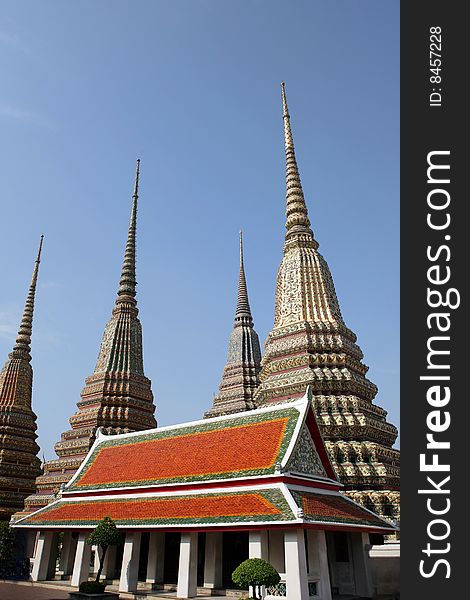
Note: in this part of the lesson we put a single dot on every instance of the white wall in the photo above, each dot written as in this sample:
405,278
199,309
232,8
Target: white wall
385,567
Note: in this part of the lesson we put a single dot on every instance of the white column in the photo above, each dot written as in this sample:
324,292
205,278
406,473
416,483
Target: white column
96,561
187,572
258,548
44,556
81,565
130,562
296,565
318,561
360,559
156,557
213,560
109,567
67,554
258,544
276,549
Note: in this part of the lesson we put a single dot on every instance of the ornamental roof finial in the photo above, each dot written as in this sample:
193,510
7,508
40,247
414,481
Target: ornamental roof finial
22,347
296,210
243,306
127,282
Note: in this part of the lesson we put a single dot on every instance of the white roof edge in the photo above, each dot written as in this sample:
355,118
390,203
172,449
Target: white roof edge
35,512
102,437
235,489
165,493
298,488
138,489
302,405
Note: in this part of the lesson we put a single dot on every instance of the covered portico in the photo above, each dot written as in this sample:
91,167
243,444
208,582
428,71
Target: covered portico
195,500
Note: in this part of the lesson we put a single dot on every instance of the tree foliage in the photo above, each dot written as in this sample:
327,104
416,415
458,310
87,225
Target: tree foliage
255,572
12,564
104,535
7,549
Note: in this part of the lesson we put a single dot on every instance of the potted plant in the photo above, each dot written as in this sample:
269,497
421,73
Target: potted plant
255,572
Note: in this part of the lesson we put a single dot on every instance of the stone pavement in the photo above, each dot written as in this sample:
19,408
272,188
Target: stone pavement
25,591
58,590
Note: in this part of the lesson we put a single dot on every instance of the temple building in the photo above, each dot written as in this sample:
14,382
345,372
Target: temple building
117,396
262,475
19,464
241,373
196,499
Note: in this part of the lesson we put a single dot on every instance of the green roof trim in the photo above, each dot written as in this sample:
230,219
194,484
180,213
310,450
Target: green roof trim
131,505
291,413
333,508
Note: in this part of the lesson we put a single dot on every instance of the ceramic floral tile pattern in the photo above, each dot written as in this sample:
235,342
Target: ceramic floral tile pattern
311,345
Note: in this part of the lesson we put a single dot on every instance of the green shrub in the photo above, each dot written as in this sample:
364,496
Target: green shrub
255,572
7,550
92,587
13,564
104,535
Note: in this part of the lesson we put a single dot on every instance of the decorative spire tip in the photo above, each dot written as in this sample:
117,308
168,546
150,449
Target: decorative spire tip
127,283
136,183
38,259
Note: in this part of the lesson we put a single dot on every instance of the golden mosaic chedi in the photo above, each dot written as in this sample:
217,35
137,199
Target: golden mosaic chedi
310,345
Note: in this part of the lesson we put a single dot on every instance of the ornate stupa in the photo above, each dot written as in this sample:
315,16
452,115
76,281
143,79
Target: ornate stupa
241,373
117,396
310,344
19,464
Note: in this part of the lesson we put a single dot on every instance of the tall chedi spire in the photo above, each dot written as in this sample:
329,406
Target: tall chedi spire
311,345
240,376
117,396
19,464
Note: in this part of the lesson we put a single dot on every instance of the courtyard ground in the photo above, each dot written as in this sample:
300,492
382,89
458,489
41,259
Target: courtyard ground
16,591
25,590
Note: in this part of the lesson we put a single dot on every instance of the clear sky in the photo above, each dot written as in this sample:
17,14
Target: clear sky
192,88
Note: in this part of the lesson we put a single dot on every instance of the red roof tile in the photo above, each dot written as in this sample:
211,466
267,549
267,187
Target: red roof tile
333,508
238,506
231,449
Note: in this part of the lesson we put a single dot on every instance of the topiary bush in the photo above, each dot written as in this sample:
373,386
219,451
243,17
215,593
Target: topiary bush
104,535
255,572
91,587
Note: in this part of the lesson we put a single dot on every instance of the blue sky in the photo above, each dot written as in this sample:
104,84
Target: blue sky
193,89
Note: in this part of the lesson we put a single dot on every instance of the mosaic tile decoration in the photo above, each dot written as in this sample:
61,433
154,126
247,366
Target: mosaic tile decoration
235,507
19,463
311,345
335,509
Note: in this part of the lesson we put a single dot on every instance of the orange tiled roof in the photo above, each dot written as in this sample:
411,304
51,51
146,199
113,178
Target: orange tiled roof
260,505
335,509
239,446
